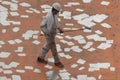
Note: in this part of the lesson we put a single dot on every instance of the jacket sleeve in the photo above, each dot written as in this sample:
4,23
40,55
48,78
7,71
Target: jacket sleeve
43,25
58,25
44,22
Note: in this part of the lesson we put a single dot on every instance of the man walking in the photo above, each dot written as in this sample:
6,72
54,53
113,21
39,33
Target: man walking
49,25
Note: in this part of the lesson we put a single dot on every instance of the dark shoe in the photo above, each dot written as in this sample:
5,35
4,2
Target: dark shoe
59,64
42,60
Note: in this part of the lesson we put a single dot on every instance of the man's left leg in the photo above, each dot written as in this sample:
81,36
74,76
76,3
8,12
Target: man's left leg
55,55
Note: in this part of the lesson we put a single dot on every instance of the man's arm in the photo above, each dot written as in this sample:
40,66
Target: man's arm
59,27
44,26
60,30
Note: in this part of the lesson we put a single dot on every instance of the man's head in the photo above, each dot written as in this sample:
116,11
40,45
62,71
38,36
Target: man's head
56,7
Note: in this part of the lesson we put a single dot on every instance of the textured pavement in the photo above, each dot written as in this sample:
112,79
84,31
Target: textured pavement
86,54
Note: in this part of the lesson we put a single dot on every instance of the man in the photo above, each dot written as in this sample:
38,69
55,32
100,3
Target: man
49,25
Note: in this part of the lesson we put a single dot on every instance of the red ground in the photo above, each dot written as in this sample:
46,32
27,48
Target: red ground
32,51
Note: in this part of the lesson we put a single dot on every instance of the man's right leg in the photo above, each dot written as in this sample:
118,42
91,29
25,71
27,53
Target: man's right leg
43,53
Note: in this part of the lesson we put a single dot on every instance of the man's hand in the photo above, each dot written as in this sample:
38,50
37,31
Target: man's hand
48,34
61,31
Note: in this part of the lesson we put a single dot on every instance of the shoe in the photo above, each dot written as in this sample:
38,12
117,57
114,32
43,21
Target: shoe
59,64
42,60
